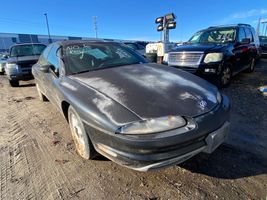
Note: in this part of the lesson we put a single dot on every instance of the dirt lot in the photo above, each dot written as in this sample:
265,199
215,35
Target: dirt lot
38,160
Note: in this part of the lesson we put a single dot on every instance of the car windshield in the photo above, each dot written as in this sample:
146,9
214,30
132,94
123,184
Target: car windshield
263,39
84,57
217,36
27,50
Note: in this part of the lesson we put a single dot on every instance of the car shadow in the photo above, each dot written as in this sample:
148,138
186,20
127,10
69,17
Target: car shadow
227,162
27,85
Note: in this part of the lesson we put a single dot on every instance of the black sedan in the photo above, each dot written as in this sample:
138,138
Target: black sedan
141,115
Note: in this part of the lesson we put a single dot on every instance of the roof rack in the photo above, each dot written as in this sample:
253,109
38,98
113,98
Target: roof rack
244,25
221,26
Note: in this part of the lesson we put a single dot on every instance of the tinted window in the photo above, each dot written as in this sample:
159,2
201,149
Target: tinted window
132,46
241,34
220,35
140,47
255,36
249,34
88,56
27,50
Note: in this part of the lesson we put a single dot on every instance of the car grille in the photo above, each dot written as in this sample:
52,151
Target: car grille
188,59
27,65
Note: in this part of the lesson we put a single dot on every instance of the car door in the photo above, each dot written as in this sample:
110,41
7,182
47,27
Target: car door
39,75
240,51
52,77
252,52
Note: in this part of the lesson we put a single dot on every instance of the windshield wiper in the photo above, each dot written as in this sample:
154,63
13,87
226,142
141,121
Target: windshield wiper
80,72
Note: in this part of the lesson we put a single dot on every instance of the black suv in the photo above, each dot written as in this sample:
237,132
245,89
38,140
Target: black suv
218,53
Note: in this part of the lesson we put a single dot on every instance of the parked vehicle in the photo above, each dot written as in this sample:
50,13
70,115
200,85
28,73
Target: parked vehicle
3,59
218,53
140,115
136,47
143,43
21,58
263,43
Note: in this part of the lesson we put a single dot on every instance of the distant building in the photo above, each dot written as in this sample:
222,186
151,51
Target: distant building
9,39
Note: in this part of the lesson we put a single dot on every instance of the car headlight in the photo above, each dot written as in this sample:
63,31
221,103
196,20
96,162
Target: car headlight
213,57
11,66
153,125
219,97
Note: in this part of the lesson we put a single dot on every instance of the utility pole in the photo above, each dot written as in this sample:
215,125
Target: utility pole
95,26
258,27
48,30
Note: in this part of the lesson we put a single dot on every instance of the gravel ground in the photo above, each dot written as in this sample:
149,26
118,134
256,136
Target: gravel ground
38,160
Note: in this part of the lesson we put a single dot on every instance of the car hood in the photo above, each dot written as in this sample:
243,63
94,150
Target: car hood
200,47
151,90
23,60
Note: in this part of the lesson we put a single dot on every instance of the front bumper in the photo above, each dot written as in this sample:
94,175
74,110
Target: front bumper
155,151
18,74
210,69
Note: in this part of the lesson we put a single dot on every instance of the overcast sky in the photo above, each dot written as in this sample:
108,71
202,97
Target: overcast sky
128,19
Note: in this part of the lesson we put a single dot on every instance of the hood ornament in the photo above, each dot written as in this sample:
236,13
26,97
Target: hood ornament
203,104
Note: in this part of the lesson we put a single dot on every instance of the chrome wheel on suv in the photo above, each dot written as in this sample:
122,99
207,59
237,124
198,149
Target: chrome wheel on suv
225,76
251,65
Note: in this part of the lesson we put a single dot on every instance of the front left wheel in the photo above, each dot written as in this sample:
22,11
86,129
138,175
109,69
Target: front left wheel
83,144
14,83
225,77
251,65
41,96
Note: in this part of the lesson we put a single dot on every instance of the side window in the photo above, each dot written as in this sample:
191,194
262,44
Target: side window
241,34
43,58
255,36
249,34
54,59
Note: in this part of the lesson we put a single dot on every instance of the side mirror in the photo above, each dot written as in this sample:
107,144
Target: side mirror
45,68
245,41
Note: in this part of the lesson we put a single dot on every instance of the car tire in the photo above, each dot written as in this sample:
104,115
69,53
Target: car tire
225,77
41,96
14,83
251,66
83,144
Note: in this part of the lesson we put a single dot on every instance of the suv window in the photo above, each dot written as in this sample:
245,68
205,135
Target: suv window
249,34
241,34
255,36
27,50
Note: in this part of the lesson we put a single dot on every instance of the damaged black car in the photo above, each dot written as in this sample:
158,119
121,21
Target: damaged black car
140,115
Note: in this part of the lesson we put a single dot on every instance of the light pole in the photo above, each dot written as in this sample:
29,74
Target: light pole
95,26
166,23
48,30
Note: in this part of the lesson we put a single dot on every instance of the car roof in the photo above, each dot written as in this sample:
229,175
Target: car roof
24,44
227,26
71,42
